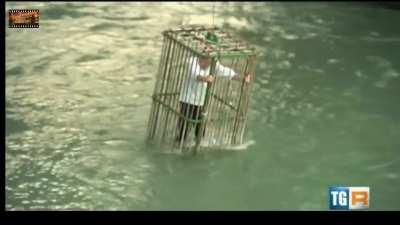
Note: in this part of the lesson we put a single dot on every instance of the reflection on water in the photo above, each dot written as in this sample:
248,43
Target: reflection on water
324,109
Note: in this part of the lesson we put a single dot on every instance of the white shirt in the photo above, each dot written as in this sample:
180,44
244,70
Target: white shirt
194,91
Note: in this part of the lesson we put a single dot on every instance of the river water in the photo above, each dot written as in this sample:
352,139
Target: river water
324,110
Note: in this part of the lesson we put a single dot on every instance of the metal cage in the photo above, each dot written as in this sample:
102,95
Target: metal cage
189,113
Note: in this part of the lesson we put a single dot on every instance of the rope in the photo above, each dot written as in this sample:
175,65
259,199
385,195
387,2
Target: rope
213,13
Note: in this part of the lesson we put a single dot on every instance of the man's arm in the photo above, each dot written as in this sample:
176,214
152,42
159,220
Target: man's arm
228,72
247,78
224,71
210,78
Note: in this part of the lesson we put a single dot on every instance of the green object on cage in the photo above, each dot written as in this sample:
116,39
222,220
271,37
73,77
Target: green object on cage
211,38
189,112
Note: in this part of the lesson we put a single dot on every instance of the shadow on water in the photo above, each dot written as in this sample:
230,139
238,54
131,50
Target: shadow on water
17,70
59,11
15,126
385,4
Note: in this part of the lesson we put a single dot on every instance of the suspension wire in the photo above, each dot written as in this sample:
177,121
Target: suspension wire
213,13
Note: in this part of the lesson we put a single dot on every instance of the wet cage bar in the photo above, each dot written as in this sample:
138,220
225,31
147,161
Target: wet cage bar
189,112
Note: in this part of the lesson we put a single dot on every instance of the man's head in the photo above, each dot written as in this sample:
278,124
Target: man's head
204,62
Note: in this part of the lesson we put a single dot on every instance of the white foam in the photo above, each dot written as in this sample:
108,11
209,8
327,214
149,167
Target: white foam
114,142
309,35
206,146
290,36
382,165
391,73
359,73
392,176
333,61
384,40
241,147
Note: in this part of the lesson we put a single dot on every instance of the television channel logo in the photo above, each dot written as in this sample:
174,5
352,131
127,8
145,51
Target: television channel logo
348,198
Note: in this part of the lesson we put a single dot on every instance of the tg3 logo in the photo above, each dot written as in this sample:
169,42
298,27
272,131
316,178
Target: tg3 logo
348,198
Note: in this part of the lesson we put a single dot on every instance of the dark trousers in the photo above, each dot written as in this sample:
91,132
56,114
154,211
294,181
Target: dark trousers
193,112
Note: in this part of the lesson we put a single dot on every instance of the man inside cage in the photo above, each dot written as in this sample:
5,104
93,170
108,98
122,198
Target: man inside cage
193,92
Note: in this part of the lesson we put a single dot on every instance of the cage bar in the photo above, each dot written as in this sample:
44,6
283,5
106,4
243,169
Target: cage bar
190,113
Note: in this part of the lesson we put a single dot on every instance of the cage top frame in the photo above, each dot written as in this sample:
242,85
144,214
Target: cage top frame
193,38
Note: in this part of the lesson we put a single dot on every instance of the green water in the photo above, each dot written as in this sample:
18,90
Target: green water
325,109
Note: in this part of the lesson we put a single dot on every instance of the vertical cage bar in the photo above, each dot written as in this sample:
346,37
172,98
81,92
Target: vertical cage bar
220,108
185,124
174,96
239,106
227,128
194,112
211,108
163,87
160,65
225,131
171,87
157,91
253,59
204,119
181,77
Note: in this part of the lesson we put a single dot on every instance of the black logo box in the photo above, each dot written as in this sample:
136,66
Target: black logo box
23,25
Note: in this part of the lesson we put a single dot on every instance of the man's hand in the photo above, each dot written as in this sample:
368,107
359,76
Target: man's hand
208,78
247,78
